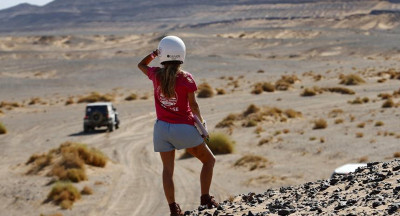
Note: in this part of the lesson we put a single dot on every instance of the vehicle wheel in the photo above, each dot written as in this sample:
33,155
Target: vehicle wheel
96,117
111,127
86,128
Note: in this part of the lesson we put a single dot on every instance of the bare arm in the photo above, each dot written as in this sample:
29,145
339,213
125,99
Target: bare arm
143,65
194,106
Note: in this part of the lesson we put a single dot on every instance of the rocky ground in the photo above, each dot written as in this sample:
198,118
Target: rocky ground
371,190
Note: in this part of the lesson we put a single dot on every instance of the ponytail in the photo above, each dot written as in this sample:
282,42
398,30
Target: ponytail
167,78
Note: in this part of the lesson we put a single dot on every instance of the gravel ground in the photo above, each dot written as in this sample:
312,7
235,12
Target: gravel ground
371,190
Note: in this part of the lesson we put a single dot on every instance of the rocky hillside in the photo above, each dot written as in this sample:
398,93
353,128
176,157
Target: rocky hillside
169,14
372,190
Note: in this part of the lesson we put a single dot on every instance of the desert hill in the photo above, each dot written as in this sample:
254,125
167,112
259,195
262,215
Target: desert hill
170,14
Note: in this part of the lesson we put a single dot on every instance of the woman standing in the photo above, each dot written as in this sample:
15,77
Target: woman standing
175,104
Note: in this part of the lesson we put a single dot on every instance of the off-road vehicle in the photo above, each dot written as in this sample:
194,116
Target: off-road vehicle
99,115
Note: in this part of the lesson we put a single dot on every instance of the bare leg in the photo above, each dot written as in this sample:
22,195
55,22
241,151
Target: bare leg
204,154
168,159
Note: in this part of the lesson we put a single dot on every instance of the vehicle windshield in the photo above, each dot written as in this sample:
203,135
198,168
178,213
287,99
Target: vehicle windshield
91,109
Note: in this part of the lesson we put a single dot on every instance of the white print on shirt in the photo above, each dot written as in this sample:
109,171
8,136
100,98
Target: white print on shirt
189,79
168,103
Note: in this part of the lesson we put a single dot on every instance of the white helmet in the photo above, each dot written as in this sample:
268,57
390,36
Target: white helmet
171,48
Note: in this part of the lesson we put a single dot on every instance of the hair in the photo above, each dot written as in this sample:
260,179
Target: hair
167,77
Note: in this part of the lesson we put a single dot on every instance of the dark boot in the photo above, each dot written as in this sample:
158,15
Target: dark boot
175,209
208,201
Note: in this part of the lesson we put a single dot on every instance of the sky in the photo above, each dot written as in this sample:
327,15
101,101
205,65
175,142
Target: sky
10,3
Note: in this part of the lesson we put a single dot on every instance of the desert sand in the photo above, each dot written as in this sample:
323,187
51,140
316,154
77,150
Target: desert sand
318,47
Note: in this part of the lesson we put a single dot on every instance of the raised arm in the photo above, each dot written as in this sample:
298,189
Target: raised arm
144,64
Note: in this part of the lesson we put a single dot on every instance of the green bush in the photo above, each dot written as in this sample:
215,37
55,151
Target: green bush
220,143
64,194
3,129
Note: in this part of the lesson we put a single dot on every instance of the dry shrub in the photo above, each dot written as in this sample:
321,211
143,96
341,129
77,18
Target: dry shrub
227,121
3,129
205,91
64,174
317,77
250,123
35,100
96,97
388,104
363,159
70,168
359,135
260,71
268,87
351,79
335,112
63,194
257,89
55,214
291,113
385,96
358,100
379,123
87,191
285,82
320,124
259,130
291,79
396,154
90,156
252,162
9,105
361,125
381,80
220,91
71,165
340,90
131,97
265,141
220,143
308,92
281,85
254,114
39,162
69,101
391,72
234,83
251,109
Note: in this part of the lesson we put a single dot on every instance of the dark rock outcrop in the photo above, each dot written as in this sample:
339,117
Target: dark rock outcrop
371,190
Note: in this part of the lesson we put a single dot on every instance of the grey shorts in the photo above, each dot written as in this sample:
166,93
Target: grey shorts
168,137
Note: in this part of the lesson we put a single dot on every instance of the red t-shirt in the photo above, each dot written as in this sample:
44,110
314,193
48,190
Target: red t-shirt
175,110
